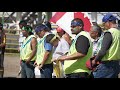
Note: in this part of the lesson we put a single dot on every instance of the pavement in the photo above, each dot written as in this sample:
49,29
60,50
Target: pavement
11,66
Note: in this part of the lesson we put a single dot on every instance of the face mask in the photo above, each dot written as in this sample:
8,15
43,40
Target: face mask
74,23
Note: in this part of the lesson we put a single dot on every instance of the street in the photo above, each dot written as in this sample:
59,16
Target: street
11,66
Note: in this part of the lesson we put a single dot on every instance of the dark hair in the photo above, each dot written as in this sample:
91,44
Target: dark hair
98,29
23,22
79,21
118,23
49,38
48,24
30,33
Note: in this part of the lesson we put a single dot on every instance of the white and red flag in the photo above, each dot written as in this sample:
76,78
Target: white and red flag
63,19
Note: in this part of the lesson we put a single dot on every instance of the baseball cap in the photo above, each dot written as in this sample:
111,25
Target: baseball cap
59,29
40,28
109,17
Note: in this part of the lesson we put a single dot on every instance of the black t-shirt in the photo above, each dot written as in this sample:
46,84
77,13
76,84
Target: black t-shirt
82,44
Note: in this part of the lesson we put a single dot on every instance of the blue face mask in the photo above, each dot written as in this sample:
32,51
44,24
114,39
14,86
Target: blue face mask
73,23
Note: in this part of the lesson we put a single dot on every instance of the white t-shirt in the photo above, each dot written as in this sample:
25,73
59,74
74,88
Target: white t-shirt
63,48
21,38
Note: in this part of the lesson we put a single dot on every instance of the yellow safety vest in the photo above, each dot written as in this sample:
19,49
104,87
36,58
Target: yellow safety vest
41,51
78,65
25,49
114,51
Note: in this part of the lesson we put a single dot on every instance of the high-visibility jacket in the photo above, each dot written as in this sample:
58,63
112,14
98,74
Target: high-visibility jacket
41,51
114,51
78,65
25,49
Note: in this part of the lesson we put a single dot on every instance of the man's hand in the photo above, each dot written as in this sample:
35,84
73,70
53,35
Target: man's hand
40,66
35,64
95,63
53,60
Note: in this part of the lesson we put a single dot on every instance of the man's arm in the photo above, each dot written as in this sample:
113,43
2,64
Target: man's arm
82,45
67,38
33,48
48,48
46,55
107,41
71,57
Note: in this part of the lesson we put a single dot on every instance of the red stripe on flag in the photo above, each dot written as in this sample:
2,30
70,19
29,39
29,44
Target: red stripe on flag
86,21
57,16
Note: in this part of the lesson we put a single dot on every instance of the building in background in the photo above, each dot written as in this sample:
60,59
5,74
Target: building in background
11,19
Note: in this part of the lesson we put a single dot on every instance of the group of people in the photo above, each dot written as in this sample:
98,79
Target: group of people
93,54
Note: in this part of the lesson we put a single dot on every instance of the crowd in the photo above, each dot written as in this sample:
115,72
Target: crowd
55,54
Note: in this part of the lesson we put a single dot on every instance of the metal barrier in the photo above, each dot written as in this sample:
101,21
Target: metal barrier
12,40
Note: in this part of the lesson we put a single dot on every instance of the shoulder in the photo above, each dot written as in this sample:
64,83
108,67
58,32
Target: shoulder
82,37
32,36
33,39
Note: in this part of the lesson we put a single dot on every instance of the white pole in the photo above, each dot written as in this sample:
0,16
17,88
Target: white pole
94,16
18,18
